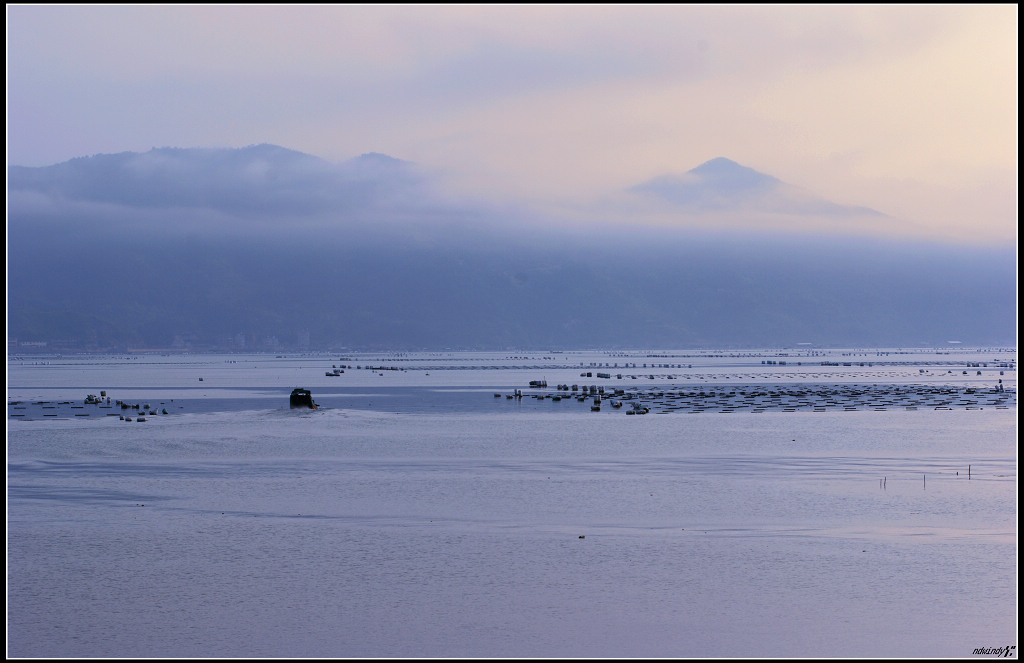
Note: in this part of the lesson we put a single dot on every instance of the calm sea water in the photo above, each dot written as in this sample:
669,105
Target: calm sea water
864,507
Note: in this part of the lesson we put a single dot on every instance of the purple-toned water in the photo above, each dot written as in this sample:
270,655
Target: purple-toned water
422,512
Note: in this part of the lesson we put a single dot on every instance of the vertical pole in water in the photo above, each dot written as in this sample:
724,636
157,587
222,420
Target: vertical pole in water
924,481
968,472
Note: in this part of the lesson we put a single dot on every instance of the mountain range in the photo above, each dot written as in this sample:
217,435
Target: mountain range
265,248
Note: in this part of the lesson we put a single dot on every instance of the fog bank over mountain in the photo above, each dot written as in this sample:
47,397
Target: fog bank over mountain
271,249
254,190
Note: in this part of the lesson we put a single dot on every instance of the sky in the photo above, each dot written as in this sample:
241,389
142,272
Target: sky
907,109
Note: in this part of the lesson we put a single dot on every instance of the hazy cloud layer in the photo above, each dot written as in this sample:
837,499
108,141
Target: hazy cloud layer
265,189
908,110
196,248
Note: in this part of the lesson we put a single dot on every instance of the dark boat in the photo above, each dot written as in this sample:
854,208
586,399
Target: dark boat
302,398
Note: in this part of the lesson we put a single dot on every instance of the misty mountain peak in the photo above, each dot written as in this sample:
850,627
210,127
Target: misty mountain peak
717,163
377,164
257,179
727,172
721,184
714,185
